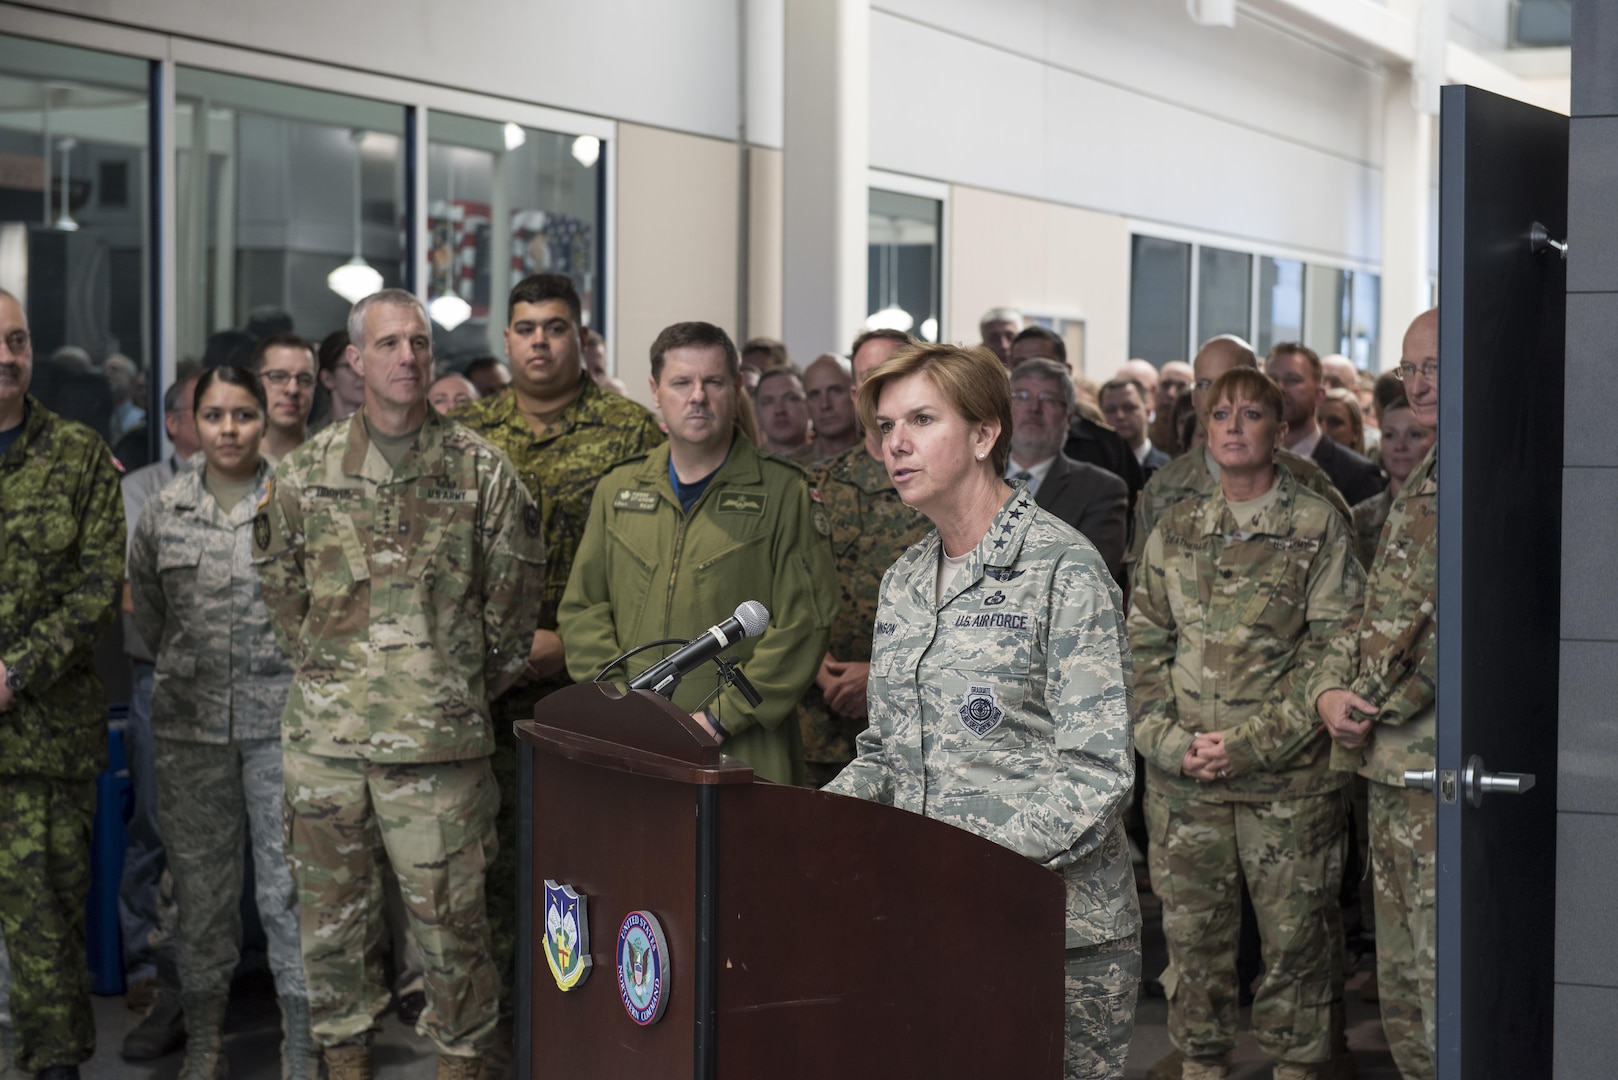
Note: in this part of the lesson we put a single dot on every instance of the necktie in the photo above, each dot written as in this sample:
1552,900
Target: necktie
1022,474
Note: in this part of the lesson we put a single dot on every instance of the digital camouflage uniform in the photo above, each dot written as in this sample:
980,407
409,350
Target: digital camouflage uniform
1389,645
1003,709
406,598
596,431
219,690
61,572
646,569
1195,475
1369,517
1232,611
870,528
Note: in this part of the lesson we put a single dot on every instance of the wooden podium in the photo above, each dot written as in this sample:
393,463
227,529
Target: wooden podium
810,935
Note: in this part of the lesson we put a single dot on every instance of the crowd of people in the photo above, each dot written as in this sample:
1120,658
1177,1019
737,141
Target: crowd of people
1174,630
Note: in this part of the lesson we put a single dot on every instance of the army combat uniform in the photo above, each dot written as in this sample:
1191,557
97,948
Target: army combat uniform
406,597
559,469
219,690
1388,644
1233,606
1002,707
870,528
1369,517
1196,475
646,569
61,571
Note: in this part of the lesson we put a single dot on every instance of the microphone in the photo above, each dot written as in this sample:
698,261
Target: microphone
662,677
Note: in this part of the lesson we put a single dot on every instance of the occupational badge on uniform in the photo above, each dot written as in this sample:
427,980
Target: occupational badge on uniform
994,599
741,502
980,713
817,514
531,520
567,934
643,967
1003,573
261,530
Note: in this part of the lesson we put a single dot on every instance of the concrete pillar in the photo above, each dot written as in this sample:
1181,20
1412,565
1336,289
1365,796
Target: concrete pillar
1407,179
824,198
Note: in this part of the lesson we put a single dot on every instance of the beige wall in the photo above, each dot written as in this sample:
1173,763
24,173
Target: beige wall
676,241
1042,258
764,244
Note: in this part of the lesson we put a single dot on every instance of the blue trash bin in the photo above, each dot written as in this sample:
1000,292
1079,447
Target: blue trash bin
104,940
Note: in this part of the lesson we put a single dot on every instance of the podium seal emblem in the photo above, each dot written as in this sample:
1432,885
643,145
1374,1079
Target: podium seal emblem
567,934
643,967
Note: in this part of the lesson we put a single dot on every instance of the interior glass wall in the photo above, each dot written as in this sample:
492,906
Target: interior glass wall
75,230
505,201
904,277
291,206
1280,302
1224,293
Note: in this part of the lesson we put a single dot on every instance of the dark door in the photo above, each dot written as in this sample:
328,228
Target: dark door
1503,168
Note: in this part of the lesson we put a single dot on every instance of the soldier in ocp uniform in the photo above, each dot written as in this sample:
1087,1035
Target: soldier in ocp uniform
1378,700
402,563
680,537
61,572
1236,596
999,691
870,528
562,432
1195,474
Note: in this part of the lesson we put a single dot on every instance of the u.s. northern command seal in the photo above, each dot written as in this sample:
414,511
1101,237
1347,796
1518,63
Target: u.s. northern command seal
567,934
643,967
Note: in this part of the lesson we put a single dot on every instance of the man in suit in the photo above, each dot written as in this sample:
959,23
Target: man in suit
1088,439
1296,369
1087,497
1124,404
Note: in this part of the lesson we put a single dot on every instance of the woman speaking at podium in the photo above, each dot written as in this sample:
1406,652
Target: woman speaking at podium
999,674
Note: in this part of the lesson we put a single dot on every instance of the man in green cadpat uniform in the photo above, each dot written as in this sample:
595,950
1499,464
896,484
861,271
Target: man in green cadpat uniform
1384,720
61,571
679,538
870,528
1194,473
562,432
402,564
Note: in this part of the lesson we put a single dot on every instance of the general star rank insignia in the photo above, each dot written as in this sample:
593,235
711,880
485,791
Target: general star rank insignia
980,713
567,935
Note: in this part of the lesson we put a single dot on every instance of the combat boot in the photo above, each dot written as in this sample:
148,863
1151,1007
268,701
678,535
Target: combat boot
1199,1070
459,1068
205,1037
350,1061
161,1031
299,1061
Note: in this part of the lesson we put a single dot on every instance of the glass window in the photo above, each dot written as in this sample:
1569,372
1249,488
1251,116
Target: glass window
1280,302
1541,23
74,230
543,190
1325,313
1159,300
291,206
1365,300
903,264
1224,293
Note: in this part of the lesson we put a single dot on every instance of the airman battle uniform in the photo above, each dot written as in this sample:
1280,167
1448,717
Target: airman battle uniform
1002,707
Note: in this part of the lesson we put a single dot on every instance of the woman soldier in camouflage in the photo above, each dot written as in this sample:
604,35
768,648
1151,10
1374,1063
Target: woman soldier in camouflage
999,671
1236,596
220,686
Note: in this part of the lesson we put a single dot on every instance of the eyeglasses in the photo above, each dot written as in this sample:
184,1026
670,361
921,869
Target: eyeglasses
1428,369
17,342
279,378
1045,401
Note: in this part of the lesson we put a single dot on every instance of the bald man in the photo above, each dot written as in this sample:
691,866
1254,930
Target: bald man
828,385
1385,722
1196,475
1174,379
1338,372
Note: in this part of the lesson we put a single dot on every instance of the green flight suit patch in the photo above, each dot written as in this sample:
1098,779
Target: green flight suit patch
640,502
741,502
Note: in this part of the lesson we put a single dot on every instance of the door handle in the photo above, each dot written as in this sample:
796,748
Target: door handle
1541,241
1478,781
1420,779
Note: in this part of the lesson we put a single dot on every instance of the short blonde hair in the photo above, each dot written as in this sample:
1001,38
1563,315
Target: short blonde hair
971,378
